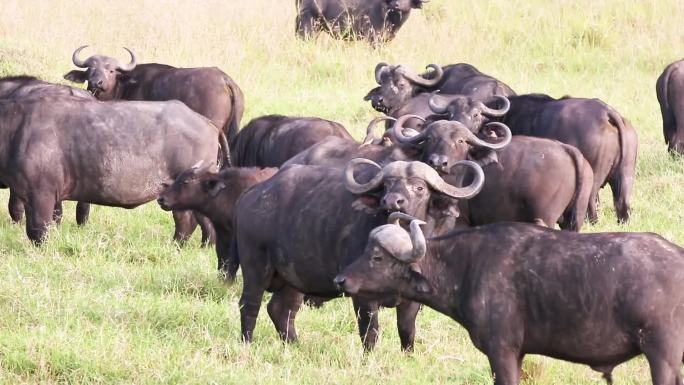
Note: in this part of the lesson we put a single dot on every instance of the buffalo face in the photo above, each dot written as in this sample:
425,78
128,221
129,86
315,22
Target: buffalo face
470,112
104,74
191,189
375,97
389,263
398,83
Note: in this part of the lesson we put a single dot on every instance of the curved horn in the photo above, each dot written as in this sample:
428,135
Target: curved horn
359,188
398,130
417,240
501,144
436,107
440,185
396,216
74,57
132,64
500,112
378,71
415,78
370,130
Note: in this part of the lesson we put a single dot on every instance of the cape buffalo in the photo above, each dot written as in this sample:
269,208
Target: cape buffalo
111,154
605,138
398,84
337,151
207,90
670,91
296,230
597,299
529,180
214,195
377,21
269,141
18,87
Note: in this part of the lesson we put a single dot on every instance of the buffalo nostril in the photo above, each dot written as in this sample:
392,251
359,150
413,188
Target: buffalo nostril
400,202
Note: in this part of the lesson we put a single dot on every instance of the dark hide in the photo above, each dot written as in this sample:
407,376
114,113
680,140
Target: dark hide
269,141
670,91
111,154
214,195
376,21
597,299
298,229
536,180
606,140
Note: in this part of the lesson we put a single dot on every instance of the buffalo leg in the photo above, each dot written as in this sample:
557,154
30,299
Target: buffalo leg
15,207
39,211
506,366
82,213
185,225
367,318
57,212
664,357
283,308
621,186
305,25
592,209
407,311
208,232
257,274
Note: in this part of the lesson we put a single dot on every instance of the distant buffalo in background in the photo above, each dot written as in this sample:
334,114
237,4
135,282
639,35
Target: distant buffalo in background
374,20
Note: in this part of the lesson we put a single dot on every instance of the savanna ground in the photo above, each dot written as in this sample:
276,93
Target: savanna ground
118,302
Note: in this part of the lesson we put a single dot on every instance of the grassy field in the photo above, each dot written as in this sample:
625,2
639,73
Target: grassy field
118,302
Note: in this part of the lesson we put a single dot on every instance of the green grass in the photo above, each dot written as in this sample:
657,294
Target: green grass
118,302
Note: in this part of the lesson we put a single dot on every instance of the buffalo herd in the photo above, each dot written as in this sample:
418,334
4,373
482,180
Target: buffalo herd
451,200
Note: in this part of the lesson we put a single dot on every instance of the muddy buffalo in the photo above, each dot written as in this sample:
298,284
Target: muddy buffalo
670,91
213,194
596,299
296,230
111,154
269,141
376,21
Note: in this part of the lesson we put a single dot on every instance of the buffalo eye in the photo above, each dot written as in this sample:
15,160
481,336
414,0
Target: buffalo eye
376,258
420,188
460,141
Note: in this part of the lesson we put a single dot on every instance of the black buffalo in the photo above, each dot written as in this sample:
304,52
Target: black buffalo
529,180
670,91
19,87
605,138
214,195
269,141
374,20
337,151
296,230
207,90
111,154
596,299
398,84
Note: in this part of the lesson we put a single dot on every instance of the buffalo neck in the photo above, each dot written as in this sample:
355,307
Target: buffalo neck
448,263
12,116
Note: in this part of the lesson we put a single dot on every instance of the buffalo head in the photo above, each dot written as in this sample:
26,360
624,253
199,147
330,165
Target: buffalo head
398,83
443,142
104,74
470,112
410,187
389,264
190,189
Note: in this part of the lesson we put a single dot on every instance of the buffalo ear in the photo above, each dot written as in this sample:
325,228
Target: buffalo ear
213,186
419,283
417,4
76,76
483,156
368,204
